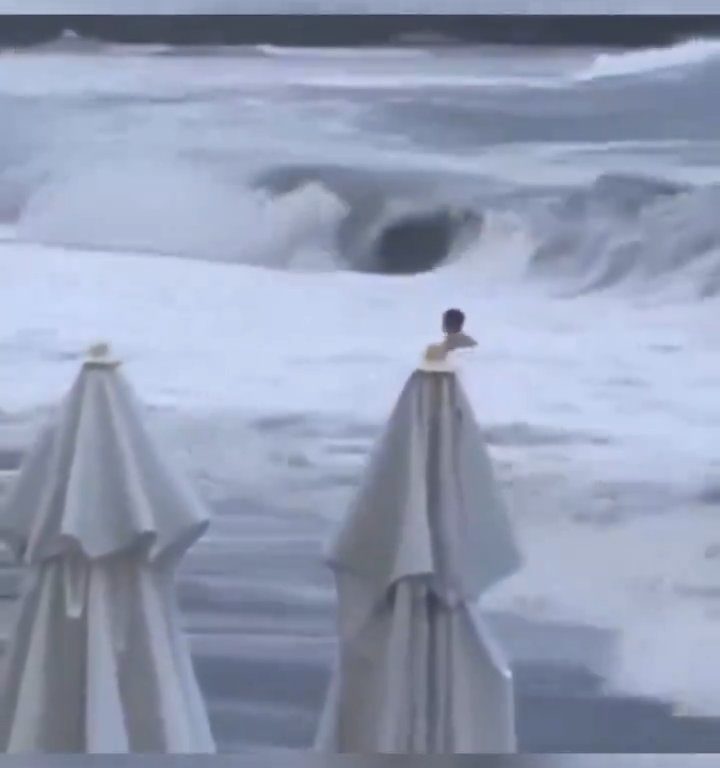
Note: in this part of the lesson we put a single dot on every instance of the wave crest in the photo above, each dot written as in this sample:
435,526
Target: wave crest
179,209
619,231
650,234
302,220
691,52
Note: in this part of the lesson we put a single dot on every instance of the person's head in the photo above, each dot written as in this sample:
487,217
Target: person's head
453,321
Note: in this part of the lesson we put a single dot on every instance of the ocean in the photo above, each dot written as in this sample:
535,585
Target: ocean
267,236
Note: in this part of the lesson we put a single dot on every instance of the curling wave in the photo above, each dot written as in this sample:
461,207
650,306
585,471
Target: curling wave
291,219
619,231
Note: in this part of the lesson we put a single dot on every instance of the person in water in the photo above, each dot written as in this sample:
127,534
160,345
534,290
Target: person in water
453,322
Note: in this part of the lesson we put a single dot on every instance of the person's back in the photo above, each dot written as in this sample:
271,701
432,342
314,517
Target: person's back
455,338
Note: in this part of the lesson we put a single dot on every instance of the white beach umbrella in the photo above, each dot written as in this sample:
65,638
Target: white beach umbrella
98,662
418,671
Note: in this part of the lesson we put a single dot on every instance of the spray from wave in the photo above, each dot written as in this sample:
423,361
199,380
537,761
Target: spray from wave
649,60
181,210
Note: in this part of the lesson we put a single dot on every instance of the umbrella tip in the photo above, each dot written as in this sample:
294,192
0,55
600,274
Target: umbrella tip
98,355
99,350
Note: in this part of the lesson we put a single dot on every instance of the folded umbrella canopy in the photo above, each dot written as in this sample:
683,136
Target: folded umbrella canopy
418,671
98,662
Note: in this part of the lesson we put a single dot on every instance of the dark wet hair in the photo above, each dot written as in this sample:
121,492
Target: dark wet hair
453,320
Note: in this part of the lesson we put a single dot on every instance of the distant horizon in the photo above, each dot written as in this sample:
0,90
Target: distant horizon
343,30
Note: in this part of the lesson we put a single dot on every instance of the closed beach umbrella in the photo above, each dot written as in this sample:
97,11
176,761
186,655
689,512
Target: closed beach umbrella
418,671
98,662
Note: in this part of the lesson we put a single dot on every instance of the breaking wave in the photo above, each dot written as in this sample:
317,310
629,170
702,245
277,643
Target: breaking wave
290,222
181,210
691,52
619,232
626,231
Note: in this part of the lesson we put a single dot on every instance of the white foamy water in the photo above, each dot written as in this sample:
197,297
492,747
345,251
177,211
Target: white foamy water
216,218
605,415
690,53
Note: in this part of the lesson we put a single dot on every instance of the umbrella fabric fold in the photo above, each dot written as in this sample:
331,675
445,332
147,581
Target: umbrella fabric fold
96,482
418,671
98,662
